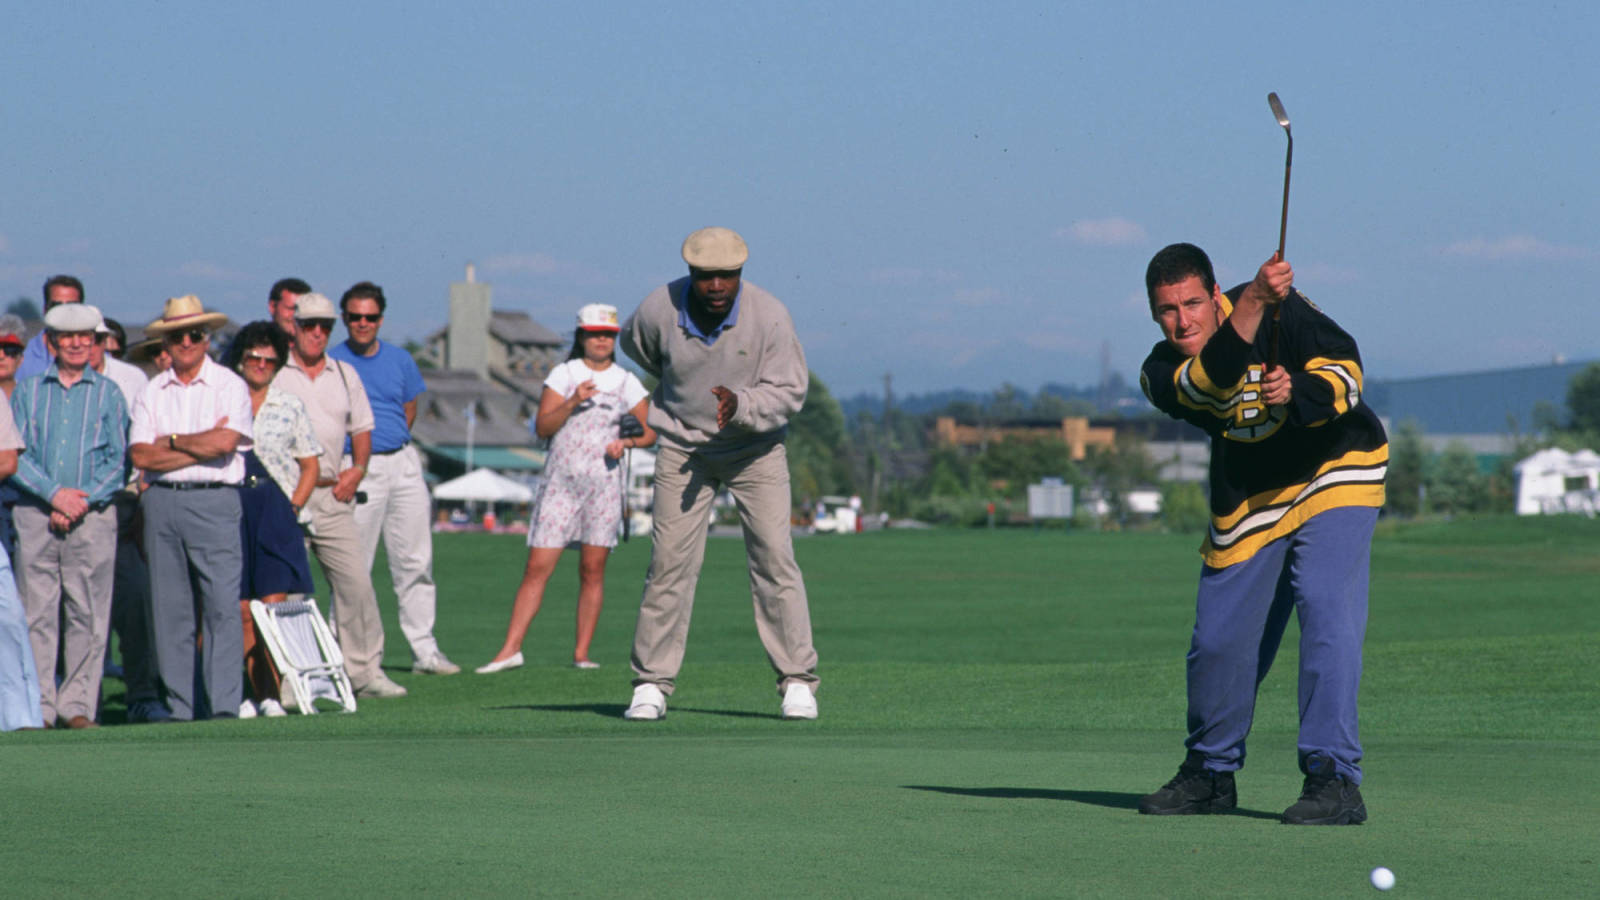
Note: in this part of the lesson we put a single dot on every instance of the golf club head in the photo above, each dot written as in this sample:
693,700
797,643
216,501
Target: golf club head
1277,110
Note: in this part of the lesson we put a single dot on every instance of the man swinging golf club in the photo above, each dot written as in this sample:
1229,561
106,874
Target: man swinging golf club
1297,467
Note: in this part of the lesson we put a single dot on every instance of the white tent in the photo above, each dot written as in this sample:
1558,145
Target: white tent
1555,481
484,485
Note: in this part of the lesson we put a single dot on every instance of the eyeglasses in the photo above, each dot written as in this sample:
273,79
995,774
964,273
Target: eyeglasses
261,359
363,317
194,336
308,324
12,350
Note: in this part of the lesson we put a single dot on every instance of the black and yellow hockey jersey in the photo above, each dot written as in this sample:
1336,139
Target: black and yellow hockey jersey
1272,469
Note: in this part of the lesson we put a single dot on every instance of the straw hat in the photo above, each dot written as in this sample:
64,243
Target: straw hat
185,312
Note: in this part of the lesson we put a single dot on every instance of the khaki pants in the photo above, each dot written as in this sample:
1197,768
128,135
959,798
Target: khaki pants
336,542
685,485
65,583
400,511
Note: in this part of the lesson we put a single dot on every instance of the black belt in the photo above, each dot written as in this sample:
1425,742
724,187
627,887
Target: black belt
391,452
191,485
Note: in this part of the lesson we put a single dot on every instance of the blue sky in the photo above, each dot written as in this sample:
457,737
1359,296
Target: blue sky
961,194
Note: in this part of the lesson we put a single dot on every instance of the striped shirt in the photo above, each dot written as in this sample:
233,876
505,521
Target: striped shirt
1274,467
74,437
168,406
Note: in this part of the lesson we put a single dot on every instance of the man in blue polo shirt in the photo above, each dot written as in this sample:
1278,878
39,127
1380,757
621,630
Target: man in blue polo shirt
398,507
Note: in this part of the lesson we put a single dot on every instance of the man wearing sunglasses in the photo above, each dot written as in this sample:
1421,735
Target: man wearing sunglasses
336,400
398,506
37,355
191,427
73,423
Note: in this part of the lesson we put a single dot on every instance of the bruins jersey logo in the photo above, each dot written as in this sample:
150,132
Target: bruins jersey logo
1253,419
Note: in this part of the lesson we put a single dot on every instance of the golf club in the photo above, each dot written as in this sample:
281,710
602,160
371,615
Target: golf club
1283,223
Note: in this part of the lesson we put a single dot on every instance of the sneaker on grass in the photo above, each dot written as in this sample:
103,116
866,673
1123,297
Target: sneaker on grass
648,704
272,709
798,702
1195,790
380,687
435,664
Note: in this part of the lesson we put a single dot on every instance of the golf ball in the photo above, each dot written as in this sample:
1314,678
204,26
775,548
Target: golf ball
1382,878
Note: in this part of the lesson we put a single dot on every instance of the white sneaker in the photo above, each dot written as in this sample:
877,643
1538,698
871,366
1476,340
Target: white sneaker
436,664
381,687
247,710
272,709
799,702
648,704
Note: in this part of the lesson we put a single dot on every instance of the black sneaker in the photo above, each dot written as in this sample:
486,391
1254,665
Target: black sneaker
1195,790
1327,800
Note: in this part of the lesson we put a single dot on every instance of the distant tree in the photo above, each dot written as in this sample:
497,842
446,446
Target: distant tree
1455,486
418,353
1054,406
25,309
1008,404
1583,399
819,461
1407,470
1184,508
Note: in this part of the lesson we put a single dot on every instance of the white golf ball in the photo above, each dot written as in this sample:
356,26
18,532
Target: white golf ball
1382,878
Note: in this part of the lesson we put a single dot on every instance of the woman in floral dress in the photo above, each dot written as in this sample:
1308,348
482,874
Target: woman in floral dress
580,413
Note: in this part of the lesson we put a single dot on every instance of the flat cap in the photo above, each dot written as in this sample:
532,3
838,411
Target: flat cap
715,250
72,317
315,306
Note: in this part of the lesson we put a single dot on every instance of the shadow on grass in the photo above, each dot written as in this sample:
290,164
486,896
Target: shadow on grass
1112,799
615,710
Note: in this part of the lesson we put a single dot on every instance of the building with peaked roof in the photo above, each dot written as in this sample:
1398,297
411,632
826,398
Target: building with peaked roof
484,372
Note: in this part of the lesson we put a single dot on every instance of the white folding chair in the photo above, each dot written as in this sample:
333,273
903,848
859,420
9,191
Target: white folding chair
305,653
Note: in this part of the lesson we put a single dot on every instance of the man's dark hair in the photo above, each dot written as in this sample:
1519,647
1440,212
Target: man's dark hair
118,332
577,345
363,290
1173,264
260,333
63,281
291,285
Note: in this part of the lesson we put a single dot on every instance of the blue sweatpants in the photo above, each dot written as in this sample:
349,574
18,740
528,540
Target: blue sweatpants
1320,572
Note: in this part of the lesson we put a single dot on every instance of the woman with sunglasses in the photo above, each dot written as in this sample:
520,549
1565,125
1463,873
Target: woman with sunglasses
580,413
281,472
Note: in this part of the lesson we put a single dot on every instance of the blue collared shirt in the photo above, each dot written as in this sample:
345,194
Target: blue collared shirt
73,437
686,321
35,358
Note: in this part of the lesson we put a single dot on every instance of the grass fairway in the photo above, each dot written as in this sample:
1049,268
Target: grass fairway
993,705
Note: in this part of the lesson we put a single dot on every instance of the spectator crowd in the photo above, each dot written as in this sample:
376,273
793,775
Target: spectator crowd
153,490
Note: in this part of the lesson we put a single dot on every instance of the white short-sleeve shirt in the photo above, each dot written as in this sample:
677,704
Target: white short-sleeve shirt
565,378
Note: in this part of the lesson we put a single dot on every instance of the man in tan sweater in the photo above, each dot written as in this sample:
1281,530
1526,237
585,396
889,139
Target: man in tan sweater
731,374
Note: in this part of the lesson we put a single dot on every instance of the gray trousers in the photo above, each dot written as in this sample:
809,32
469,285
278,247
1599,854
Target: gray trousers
336,542
685,485
65,583
191,539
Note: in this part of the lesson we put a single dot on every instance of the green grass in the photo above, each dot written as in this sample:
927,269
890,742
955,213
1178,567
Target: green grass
993,704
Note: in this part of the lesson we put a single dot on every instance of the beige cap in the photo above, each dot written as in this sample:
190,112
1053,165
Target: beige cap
185,312
715,250
315,306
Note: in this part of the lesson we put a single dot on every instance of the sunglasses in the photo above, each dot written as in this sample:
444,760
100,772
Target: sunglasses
193,335
309,324
363,317
12,350
261,359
